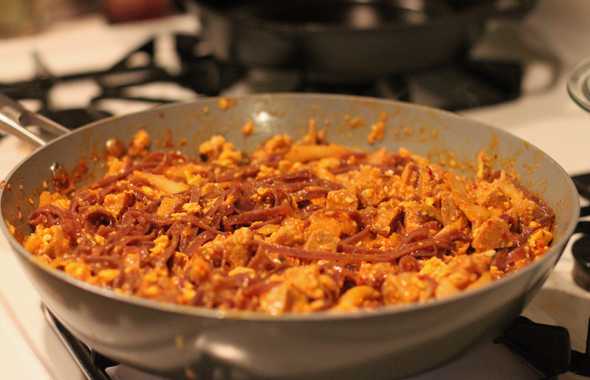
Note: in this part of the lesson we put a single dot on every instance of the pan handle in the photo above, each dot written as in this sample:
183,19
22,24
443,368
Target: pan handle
14,120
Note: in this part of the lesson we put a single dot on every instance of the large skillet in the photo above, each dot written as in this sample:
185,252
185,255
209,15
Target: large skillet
391,342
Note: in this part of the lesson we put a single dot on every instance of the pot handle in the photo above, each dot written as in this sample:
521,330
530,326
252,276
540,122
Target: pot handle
14,120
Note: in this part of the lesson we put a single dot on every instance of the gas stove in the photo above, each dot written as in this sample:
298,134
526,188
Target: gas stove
132,67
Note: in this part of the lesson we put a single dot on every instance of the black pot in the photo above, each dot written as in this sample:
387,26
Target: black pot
347,41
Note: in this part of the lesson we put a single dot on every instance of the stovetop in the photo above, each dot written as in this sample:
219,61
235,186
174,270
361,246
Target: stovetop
545,116
464,83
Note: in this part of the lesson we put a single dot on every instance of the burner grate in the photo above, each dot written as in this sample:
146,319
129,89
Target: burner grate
199,73
462,84
545,348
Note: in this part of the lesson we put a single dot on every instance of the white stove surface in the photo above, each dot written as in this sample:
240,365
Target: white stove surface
546,118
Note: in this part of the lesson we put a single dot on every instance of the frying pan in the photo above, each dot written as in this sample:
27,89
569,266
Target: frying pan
180,341
347,41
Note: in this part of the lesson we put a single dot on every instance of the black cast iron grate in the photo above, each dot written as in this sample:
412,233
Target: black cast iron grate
463,84
199,72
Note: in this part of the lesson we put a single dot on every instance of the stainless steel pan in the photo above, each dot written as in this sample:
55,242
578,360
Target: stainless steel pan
389,343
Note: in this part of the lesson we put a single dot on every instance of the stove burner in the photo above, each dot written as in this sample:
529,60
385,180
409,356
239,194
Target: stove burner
465,84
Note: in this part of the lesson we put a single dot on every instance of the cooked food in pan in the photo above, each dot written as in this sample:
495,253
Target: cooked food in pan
295,227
